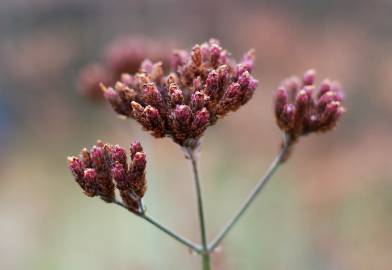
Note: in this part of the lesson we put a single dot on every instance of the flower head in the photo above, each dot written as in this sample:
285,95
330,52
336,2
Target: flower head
301,108
205,84
105,167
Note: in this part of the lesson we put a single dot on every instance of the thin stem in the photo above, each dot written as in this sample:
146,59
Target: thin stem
174,235
262,182
203,234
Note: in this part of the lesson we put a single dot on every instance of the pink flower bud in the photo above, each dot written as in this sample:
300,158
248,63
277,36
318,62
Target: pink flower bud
97,157
111,95
139,160
120,176
244,79
176,95
233,91
118,155
248,60
198,100
183,113
287,116
135,147
337,88
196,55
202,118
309,77
302,100
151,94
146,66
151,113
76,167
197,84
90,178
325,87
281,99
212,82
215,52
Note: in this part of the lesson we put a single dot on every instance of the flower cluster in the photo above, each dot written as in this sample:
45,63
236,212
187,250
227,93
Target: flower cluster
205,84
300,108
123,55
96,169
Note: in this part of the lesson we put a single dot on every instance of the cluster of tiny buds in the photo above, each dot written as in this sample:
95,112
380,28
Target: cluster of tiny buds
301,108
204,85
123,55
105,168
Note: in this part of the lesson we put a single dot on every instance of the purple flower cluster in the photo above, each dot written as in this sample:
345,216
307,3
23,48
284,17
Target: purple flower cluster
204,85
301,108
96,169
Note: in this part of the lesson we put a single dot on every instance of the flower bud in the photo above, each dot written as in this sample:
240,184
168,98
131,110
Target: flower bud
139,160
205,52
248,60
281,99
337,89
120,176
151,113
309,77
146,66
97,157
175,94
90,178
302,100
183,114
198,100
196,55
76,167
86,158
201,119
212,82
118,155
325,87
244,79
197,84
127,79
151,94
215,52
135,147
286,119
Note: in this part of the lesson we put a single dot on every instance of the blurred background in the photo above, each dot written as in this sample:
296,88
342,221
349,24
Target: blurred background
329,207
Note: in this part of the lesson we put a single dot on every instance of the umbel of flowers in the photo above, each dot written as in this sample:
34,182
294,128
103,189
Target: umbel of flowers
202,87
302,108
105,168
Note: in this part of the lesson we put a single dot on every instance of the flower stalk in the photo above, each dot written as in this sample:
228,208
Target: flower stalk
202,224
252,196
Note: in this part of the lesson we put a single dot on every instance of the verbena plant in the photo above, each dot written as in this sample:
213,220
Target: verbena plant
203,87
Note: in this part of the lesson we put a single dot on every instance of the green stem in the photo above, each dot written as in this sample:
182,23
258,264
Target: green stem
203,234
262,182
172,234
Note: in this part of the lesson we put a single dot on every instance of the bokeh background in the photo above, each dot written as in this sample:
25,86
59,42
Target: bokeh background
329,207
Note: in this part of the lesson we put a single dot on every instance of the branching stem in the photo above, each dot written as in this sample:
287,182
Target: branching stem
252,196
192,246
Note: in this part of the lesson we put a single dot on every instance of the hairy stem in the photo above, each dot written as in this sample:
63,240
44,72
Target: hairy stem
192,246
203,234
262,182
